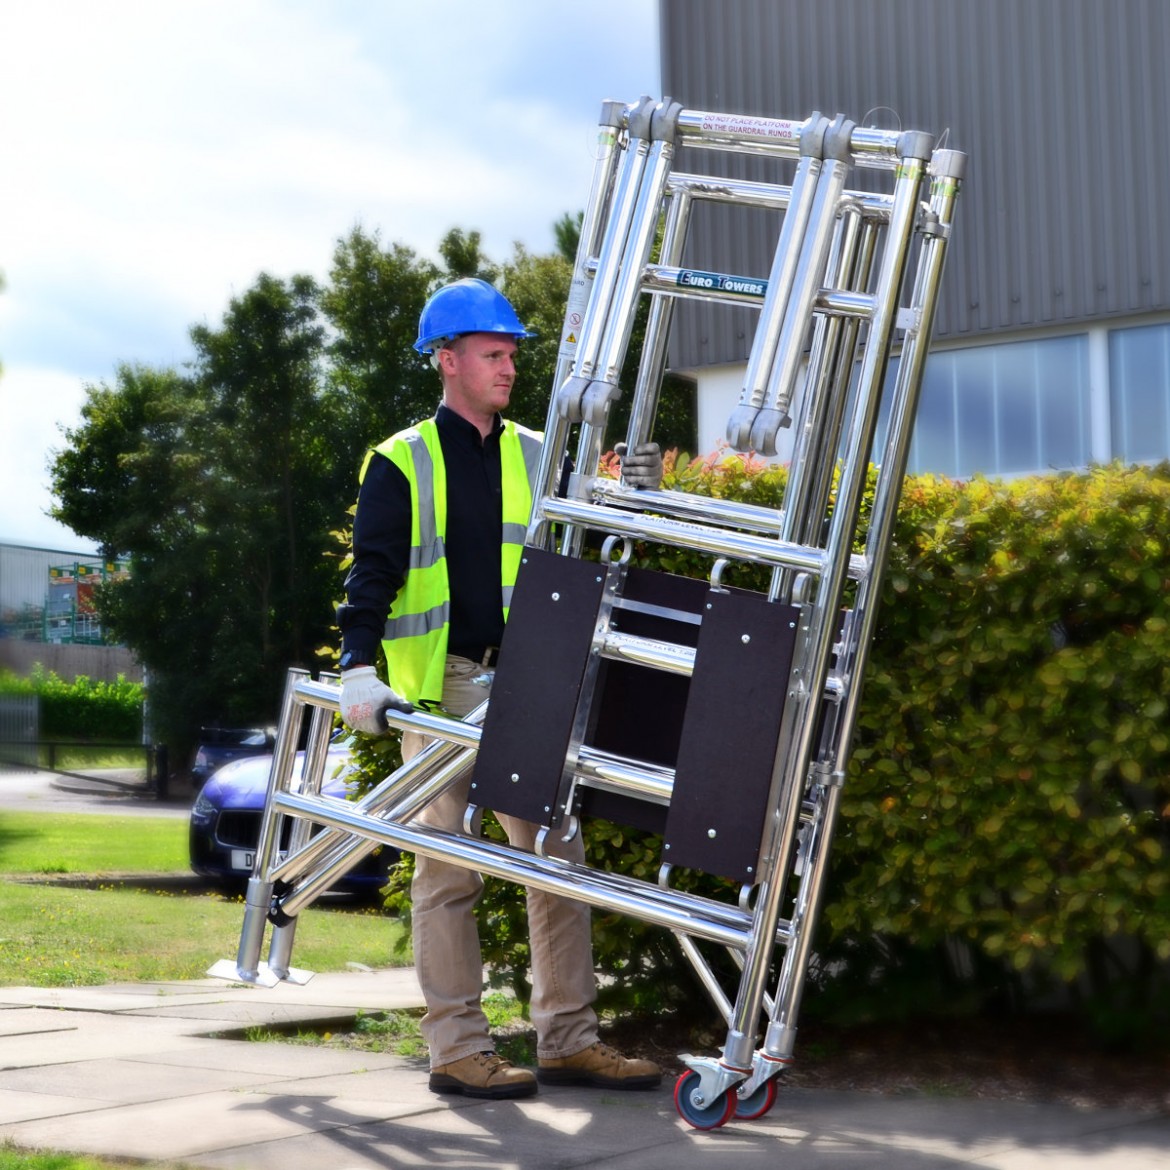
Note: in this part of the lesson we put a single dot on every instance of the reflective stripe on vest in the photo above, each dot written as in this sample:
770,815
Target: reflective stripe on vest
415,638
519,460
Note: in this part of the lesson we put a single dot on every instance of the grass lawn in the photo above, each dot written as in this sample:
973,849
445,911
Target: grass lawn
58,936
53,936
79,757
13,1159
33,843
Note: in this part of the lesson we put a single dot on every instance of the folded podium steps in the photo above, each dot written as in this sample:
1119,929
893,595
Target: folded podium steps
717,717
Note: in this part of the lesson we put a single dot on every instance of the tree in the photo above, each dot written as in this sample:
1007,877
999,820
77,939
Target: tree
377,384
129,481
537,286
128,454
463,257
221,487
226,485
567,233
274,476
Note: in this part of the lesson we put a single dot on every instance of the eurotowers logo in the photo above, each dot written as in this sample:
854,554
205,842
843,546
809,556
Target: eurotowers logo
716,282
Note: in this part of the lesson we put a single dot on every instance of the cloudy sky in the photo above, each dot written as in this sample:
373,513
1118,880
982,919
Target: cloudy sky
158,156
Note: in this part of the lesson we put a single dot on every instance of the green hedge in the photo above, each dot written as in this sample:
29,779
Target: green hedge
1010,785
84,709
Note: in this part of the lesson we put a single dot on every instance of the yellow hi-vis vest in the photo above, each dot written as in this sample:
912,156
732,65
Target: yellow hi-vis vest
415,638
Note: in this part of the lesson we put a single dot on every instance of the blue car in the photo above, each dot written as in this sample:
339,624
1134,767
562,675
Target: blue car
226,816
221,745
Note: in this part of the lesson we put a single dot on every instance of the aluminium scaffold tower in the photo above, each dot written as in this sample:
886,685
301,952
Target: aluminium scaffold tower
718,717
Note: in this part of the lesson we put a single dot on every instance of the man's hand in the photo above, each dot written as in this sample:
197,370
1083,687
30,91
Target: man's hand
641,467
364,696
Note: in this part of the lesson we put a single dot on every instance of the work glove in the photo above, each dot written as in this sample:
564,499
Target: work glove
642,467
364,698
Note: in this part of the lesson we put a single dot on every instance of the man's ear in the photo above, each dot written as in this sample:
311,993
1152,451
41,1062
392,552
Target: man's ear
445,360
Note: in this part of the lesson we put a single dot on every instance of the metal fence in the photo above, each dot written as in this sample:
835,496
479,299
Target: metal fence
19,730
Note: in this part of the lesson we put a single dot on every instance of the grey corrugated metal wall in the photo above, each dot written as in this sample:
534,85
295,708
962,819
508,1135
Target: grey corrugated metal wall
24,573
1062,106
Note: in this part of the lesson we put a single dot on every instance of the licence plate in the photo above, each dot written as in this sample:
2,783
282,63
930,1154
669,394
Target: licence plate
243,859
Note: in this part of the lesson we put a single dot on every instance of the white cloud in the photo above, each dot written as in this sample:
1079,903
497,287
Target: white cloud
159,156
29,428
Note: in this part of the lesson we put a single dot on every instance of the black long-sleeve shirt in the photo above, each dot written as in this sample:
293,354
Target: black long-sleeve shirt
381,543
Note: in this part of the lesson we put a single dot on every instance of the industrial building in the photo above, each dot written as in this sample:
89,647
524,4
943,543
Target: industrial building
1052,341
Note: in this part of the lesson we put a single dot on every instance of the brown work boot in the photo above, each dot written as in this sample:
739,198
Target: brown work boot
600,1066
483,1074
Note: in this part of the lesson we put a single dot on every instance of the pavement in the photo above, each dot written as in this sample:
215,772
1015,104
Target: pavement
165,1072
114,791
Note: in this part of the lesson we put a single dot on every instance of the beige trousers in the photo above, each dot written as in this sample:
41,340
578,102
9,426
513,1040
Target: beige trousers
446,941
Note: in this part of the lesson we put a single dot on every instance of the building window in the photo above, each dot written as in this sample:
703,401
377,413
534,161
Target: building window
1139,392
1014,408
1004,409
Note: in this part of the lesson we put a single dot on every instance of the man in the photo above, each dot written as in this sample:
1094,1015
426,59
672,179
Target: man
441,516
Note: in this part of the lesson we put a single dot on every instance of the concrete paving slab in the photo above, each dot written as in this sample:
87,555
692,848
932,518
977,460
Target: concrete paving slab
955,1124
272,1059
32,1022
537,1133
95,1037
355,1099
962,1131
582,1127
364,1148
168,1130
132,1072
241,1015
107,998
16,1106
193,1126
392,987
386,990
125,1082
547,1134
216,1007
367,1096
1128,1154
571,1128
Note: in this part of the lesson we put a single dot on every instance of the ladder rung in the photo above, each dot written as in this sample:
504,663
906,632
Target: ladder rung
870,205
704,511
652,652
661,611
712,286
704,538
749,134
608,772
747,290
836,303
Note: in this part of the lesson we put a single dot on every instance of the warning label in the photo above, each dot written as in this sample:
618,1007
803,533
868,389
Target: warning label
574,317
782,128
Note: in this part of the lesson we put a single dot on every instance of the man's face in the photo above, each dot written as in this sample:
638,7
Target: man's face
478,372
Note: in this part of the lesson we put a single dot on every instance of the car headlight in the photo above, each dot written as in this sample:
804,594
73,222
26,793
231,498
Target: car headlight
203,806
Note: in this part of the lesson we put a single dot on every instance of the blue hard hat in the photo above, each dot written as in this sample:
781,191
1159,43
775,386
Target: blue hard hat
469,305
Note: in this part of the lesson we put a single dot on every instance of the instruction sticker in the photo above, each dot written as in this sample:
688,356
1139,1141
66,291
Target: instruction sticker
578,300
757,127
